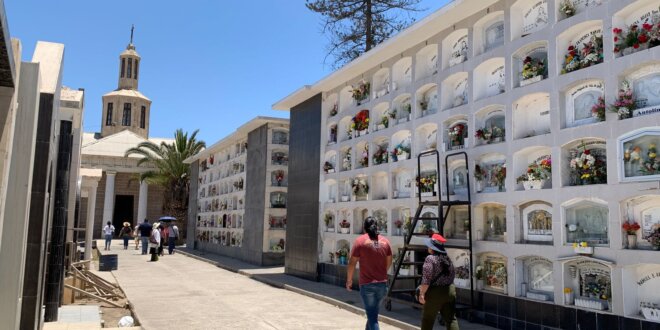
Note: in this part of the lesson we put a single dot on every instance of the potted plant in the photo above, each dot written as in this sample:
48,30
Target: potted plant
328,220
334,110
479,175
400,152
631,229
360,188
427,185
361,92
360,123
569,296
344,226
279,177
456,136
380,156
384,122
479,275
537,173
598,110
332,257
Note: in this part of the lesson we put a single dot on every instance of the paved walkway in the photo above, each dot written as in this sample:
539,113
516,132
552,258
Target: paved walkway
179,292
401,316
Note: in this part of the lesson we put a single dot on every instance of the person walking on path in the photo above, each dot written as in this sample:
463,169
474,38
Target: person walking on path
145,232
163,239
154,242
437,292
374,254
108,232
173,234
125,234
136,236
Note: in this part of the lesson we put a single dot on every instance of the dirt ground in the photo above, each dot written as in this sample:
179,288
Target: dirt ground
109,314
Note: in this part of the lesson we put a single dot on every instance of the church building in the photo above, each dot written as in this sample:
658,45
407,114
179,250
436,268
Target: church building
110,181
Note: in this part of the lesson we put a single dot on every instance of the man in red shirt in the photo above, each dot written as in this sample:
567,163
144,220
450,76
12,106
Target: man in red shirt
374,254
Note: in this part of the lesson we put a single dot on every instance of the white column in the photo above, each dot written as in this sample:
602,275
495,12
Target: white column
142,202
109,202
91,214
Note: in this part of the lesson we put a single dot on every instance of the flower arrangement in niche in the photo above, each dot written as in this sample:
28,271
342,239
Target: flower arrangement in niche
537,170
380,155
456,134
630,228
344,224
598,110
590,54
635,38
279,176
328,167
346,162
361,92
334,110
650,163
625,101
426,182
587,166
479,172
401,152
498,176
360,187
364,157
392,114
361,121
385,121
490,135
398,223
533,68
567,8
654,237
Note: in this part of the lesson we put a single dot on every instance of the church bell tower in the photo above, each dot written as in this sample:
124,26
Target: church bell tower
126,108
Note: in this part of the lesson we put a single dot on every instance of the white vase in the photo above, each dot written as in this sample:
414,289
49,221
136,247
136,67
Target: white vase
479,186
403,156
344,198
331,230
344,230
403,271
480,284
632,242
569,298
534,184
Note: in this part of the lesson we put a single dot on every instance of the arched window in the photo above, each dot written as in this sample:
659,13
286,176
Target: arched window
130,68
126,119
136,69
143,111
108,115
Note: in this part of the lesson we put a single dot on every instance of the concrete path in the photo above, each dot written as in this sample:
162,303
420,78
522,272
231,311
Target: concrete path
179,292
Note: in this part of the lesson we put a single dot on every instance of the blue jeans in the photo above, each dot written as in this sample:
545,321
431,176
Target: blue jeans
145,244
372,295
108,240
170,244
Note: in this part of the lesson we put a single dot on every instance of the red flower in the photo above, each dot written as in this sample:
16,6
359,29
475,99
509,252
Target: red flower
647,26
616,39
617,31
616,49
642,38
636,46
571,47
587,152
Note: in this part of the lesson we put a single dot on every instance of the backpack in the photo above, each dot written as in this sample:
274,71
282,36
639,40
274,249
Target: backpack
152,238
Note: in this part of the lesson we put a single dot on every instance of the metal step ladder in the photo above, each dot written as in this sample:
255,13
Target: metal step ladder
407,284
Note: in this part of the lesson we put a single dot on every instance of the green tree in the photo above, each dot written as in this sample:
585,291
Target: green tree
356,26
169,171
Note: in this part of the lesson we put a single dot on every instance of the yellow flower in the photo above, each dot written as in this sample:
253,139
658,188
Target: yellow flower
652,145
575,245
652,155
568,290
583,244
585,176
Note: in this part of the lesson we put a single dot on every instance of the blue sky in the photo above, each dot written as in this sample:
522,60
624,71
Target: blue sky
209,64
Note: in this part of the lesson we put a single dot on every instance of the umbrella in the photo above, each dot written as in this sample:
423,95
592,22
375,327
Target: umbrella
167,218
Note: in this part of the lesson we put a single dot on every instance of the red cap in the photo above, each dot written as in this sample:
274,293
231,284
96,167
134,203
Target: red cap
439,238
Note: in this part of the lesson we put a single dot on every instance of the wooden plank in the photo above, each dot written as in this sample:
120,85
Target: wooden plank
93,296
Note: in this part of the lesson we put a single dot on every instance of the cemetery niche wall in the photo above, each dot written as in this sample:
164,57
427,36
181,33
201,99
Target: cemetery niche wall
587,283
535,276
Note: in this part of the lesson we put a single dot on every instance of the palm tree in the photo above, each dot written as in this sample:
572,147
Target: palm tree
170,171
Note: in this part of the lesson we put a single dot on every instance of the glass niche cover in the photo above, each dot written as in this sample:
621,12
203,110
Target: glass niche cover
538,282
640,161
587,221
494,268
588,284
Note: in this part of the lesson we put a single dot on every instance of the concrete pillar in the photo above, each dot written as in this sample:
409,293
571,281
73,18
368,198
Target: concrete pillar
14,235
109,203
142,202
91,214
